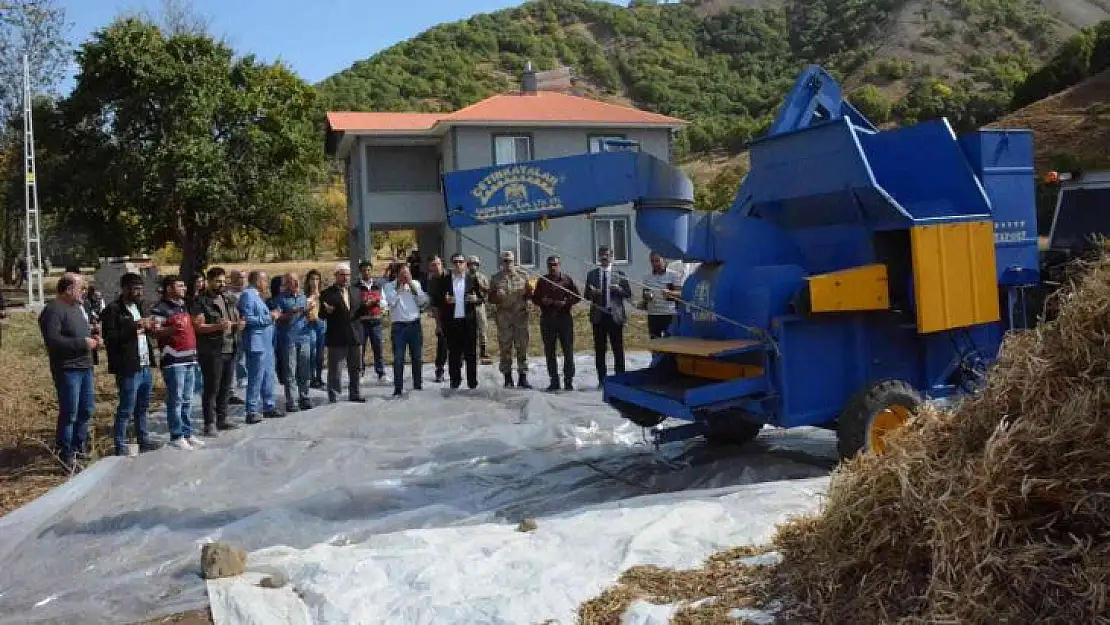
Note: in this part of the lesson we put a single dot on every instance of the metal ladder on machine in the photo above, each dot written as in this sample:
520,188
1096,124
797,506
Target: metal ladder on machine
36,275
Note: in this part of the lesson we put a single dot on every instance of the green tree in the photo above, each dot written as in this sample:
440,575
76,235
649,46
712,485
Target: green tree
179,137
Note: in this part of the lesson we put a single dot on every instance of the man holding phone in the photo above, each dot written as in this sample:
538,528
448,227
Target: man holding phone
659,297
295,338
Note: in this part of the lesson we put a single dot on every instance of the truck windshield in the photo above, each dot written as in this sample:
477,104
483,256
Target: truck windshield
1083,214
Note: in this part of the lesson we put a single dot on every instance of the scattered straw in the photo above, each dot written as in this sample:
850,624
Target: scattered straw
996,511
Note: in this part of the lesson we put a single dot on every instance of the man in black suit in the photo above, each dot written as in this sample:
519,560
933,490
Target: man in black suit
456,297
608,289
343,336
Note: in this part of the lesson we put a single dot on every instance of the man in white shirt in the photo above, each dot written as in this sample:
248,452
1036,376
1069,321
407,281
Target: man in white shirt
661,289
456,301
405,299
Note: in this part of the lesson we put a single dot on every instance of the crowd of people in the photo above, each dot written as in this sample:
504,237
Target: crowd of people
224,332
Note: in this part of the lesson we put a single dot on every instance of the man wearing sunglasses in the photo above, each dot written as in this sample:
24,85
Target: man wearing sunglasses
456,300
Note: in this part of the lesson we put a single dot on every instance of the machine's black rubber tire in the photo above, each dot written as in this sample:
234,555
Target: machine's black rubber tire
731,428
855,421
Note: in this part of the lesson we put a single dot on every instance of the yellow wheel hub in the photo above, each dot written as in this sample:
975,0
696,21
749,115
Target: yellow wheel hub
884,422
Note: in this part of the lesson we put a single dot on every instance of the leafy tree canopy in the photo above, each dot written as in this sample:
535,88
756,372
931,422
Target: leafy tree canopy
175,139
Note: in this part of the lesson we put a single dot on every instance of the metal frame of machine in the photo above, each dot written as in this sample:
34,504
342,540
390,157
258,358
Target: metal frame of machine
857,272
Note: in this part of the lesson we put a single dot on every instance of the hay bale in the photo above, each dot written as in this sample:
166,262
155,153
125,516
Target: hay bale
995,511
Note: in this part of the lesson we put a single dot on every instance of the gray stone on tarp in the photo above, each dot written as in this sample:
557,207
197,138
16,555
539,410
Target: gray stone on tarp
220,559
526,525
276,580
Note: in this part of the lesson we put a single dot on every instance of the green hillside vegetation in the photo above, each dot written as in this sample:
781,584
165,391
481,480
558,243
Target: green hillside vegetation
724,69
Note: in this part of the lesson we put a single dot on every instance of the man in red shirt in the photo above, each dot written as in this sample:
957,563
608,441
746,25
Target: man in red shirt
371,291
178,341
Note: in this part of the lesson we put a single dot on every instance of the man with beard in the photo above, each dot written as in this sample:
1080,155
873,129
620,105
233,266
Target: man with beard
176,335
130,346
218,328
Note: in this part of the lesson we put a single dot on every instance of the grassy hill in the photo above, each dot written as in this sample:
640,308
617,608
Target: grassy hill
726,64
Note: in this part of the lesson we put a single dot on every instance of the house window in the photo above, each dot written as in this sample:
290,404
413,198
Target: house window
520,239
613,232
597,143
509,149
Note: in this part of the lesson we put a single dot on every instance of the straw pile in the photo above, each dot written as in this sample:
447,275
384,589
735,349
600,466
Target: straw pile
995,512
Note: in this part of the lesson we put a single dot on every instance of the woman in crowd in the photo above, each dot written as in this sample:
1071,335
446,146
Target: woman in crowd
313,285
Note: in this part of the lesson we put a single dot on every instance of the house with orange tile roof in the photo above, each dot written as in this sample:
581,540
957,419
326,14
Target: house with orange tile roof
394,161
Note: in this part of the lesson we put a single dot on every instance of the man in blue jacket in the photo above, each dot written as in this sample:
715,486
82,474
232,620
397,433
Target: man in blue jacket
295,341
258,343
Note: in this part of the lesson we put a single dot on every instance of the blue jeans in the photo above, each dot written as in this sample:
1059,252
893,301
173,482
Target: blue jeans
372,332
179,399
75,410
198,381
240,366
134,400
319,349
294,363
260,382
406,336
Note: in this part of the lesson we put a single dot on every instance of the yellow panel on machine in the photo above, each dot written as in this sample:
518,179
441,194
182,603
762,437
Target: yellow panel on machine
858,288
715,369
954,275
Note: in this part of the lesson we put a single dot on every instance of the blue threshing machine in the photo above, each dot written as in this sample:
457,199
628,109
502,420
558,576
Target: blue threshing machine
857,272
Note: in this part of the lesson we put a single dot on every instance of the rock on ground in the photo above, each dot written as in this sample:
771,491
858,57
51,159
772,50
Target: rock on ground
220,559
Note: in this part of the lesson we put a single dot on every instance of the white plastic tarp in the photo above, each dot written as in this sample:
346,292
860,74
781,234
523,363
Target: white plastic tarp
121,541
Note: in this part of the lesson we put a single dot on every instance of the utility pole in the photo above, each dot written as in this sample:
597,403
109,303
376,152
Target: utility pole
36,274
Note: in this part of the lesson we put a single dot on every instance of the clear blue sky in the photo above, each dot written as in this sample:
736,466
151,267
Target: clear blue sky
315,37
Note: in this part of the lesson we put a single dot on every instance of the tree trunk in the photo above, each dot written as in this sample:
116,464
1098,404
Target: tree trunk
194,255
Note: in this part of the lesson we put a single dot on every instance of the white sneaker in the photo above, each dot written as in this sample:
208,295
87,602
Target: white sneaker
195,442
181,444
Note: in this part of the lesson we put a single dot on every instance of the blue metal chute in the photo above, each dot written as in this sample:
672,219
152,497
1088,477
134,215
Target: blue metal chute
661,193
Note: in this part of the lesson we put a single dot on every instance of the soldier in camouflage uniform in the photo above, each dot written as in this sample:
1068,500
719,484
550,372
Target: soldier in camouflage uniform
474,265
509,293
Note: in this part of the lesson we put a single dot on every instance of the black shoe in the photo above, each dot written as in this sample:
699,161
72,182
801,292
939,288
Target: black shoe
225,425
304,404
418,387
272,414
254,418
568,385
509,380
235,401
148,446
209,431
455,385
472,385
290,408
522,382
554,386
398,392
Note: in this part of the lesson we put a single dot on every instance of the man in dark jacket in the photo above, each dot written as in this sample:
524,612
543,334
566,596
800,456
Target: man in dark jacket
458,295
218,328
69,345
130,346
341,306
556,294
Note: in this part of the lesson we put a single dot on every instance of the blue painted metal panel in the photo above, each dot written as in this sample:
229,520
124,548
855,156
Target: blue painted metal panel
725,391
924,169
626,387
1003,160
563,186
